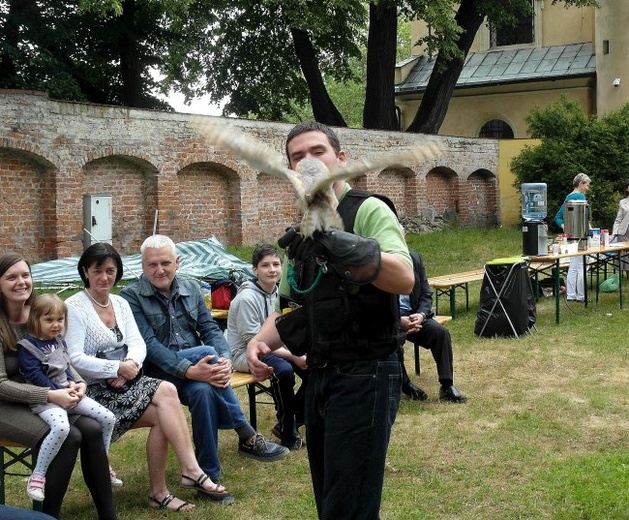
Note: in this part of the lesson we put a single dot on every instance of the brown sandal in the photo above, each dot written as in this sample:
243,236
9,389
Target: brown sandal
166,501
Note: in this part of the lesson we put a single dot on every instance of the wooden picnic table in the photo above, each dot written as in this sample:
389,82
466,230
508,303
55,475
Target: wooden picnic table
446,285
610,254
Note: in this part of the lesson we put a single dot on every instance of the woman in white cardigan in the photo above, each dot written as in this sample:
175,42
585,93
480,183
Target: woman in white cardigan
620,231
100,323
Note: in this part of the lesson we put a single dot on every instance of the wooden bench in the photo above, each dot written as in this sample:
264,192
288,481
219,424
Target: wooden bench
219,314
439,319
15,453
220,317
254,389
446,286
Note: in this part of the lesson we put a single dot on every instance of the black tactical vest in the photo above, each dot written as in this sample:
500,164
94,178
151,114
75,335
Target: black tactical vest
344,321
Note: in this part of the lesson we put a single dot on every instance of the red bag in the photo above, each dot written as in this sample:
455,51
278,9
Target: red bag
223,292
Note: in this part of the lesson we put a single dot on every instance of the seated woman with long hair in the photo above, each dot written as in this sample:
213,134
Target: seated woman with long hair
19,424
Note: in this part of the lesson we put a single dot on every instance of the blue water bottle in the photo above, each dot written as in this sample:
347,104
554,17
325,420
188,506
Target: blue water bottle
534,201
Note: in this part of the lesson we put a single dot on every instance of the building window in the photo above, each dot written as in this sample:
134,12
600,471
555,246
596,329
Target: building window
520,33
496,129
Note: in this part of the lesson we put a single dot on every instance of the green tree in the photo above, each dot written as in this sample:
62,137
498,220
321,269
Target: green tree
267,58
571,143
349,95
73,53
270,57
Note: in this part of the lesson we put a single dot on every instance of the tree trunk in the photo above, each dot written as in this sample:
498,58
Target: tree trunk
323,107
130,69
434,105
379,111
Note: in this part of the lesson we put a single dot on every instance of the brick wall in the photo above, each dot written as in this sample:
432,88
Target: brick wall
52,153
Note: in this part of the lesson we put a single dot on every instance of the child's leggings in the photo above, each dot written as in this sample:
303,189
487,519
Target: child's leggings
57,419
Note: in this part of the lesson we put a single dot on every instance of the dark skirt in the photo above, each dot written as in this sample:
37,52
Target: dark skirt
127,406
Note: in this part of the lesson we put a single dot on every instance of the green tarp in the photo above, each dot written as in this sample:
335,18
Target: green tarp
205,260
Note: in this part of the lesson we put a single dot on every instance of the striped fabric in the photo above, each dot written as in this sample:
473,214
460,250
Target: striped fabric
202,259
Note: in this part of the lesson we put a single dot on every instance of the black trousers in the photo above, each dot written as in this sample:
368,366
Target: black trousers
436,338
85,435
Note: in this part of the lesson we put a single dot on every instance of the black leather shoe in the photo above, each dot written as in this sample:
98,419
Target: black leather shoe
414,392
451,394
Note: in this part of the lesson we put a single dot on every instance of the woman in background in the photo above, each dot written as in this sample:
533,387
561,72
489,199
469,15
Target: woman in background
620,231
575,284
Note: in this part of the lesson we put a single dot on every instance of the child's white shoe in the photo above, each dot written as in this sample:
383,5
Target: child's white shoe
115,481
35,487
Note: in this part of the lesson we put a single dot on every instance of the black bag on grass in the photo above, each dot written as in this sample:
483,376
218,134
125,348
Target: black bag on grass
507,303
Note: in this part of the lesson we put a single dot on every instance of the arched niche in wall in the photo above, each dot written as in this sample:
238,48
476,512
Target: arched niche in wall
398,184
441,194
481,194
132,184
27,203
276,208
209,203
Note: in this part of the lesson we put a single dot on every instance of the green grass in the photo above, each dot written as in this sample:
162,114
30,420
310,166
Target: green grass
543,436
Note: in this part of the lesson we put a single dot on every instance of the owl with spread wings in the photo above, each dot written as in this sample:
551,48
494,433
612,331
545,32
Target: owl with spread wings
312,180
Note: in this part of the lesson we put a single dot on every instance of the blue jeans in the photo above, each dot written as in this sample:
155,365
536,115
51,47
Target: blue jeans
350,409
15,513
211,409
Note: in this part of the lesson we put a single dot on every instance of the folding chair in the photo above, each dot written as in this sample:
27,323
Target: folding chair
507,302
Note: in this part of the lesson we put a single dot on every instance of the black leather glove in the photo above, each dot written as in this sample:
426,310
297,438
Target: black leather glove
291,241
355,258
296,245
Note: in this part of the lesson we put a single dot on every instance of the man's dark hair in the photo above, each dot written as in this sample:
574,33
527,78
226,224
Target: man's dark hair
261,251
314,126
96,254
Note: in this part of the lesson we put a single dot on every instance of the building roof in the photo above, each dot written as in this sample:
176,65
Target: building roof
509,66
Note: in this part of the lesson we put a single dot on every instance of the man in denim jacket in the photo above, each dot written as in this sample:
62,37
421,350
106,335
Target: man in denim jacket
190,351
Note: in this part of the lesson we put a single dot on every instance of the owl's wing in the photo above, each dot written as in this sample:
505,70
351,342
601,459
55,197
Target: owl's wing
415,155
255,153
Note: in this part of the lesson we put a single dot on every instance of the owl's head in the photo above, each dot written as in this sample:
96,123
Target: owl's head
311,170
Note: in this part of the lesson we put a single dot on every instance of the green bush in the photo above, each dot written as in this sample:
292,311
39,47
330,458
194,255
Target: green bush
571,143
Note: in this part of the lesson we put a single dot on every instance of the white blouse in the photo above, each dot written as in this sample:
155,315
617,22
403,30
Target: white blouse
86,335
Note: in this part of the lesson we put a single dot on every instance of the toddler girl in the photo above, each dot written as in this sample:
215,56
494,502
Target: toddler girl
44,361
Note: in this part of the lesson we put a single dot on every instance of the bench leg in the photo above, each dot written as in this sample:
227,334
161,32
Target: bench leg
2,473
417,359
253,416
452,302
27,457
254,390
